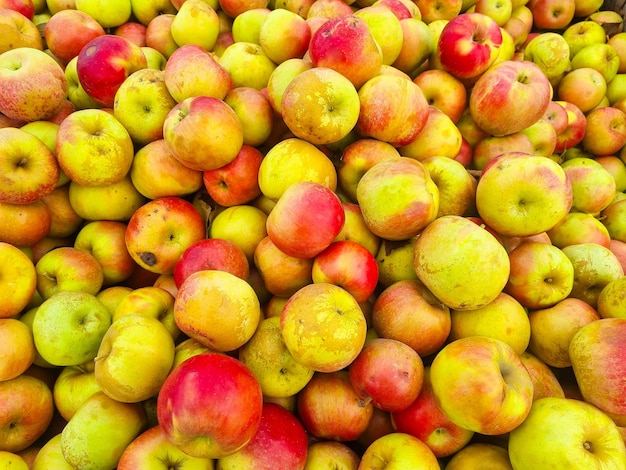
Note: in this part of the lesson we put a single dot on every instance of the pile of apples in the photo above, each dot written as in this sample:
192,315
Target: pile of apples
307,234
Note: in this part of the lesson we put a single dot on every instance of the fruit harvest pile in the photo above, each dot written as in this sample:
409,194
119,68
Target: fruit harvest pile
312,234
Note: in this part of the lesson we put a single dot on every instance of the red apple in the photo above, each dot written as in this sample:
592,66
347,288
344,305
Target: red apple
388,372
210,405
68,31
211,253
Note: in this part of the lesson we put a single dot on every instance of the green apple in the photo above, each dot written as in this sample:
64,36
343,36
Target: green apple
551,52
582,33
600,56
108,14
134,342
244,225
69,326
196,22
96,436
145,11
566,433
247,64
73,386
50,456
149,301
477,454
396,451
247,25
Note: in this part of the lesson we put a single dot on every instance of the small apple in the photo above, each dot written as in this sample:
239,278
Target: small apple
68,31
195,22
247,64
72,387
593,187
255,113
323,454
579,227
399,450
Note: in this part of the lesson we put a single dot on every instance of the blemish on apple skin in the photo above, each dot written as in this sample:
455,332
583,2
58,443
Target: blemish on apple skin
148,258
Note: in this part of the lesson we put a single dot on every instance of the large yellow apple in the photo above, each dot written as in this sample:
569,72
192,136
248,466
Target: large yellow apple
460,262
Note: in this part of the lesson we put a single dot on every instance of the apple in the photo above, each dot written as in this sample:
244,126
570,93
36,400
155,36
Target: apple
593,187
355,229
18,280
504,318
19,31
457,187
418,45
105,241
617,167
517,85
26,411
613,220
328,337
115,201
203,133
439,137
196,22
455,383
68,327
424,419
109,16
155,173
211,253
399,450
552,15
330,408
415,200
68,31
551,52
349,265
68,269
386,30
191,70
529,210
243,225
408,312
134,31
159,34
595,266
210,406
64,221
152,449
392,109
479,453
76,94
444,91
217,309
34,84
500,12
267,357
328,453
542,136
98,66
468,44
100,430
305,220
72,387
294,160
605,134
281,77
439,264
160,231
50,455
143,121
284,35
581,427
552,329
24,224
609,300
579,227
387,372
491,147
541,275
94,148
331,116
545,381
255,113
329,9
575,129
257,66
280,440
582,33
584,87
282,274
17,348
599,56
346,44
246,26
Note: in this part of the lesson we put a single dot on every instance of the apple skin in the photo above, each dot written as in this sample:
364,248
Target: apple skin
478,453
215,427
284,35
606,131
388,372
424,419
160,231
609,301
196,22
545,382
348,265
468,44
513,213
330,408
346,44
593,187
203,133
72,387
398,450
322,454
507,86
34,84
455,383
305,220
68,31
411,206
98,66
597,356
536,443
18,281
487,268
211,253
152,450
26,411
579,227
25,224
280,441
18,348
312,335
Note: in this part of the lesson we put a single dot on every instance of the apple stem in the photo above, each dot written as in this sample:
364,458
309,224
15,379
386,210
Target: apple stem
363,402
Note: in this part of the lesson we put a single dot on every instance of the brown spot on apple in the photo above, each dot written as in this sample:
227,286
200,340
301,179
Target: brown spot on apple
148,258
